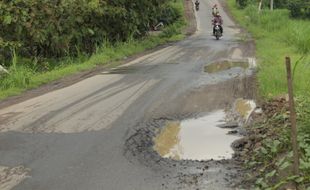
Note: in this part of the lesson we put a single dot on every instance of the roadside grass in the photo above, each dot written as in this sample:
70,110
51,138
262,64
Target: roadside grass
276,36
23,77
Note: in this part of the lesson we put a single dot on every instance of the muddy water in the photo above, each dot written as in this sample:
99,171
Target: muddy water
244,107
196,139
225,65
168,139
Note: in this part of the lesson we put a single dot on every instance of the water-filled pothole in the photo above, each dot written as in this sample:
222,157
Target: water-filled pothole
225,65
196,139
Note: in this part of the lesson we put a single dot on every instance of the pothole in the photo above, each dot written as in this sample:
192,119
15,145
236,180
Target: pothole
196,139
244,108
225,65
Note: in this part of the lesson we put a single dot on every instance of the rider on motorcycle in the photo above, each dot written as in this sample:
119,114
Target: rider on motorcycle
197,3
215,10
217,19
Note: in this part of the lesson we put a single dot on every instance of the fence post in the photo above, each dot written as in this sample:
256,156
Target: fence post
292,117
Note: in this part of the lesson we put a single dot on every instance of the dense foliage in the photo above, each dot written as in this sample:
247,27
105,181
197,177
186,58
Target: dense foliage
56,28
299,8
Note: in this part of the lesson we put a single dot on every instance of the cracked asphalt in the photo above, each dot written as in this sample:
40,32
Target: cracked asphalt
97,134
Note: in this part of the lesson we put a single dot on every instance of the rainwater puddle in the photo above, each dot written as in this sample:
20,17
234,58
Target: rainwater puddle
244,108
196,139
225,65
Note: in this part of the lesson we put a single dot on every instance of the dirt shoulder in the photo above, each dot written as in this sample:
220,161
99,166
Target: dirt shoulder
265,151
74,78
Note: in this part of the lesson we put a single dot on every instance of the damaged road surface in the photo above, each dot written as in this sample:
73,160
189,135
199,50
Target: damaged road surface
101,132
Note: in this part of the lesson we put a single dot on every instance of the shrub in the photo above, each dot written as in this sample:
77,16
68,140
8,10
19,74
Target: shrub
299,8
52,29
242,3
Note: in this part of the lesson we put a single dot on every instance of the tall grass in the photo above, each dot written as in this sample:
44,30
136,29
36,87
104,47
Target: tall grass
298,35
271,21
278,36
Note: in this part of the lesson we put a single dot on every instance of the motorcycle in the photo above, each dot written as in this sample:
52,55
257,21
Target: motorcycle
217,31
197,6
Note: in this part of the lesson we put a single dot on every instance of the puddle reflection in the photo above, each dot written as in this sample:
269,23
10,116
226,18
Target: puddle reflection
196,139
225,65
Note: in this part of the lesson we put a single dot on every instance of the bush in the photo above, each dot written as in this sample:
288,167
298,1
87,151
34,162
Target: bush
52,29
280,4
242,3
299,8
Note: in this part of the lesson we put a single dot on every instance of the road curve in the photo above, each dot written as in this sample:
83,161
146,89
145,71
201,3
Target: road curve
75,138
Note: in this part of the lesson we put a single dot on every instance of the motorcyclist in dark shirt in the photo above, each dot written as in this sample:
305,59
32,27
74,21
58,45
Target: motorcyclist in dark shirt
197,3
217,19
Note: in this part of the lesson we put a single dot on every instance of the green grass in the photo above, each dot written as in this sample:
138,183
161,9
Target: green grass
277,36
23,77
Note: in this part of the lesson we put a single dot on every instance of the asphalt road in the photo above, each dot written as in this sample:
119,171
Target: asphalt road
75,138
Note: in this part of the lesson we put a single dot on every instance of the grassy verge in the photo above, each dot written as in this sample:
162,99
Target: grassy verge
277,36
23,77
268,151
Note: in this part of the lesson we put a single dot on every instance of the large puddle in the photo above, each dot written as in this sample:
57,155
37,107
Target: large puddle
225,65
196,139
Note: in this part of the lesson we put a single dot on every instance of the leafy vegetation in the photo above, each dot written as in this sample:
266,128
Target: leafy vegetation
31,67
277,35
42,28
271,155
